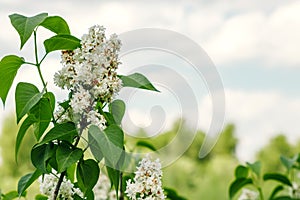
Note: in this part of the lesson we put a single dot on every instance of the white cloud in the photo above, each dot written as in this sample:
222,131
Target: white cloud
258,116
256,35
230,34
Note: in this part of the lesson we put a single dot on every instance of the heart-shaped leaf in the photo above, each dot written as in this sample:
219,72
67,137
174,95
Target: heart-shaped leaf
87,174
26,25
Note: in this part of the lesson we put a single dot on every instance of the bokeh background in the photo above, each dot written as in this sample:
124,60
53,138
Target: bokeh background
255,47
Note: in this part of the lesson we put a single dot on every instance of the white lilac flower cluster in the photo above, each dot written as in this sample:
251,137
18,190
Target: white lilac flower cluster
89,72
249,195
102,190
147,181
66,192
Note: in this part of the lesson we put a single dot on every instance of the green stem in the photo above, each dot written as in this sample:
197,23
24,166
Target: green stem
121,185
261,195
43,59
29,63
38,65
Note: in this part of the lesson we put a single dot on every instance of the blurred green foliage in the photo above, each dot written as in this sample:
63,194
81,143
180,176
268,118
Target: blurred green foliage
10,170
193,178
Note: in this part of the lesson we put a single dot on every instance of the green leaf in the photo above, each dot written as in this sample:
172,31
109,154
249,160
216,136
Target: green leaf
110,141
27,95
71,172
67,156
114,176
61,42
95,149
26,25
237,185
255,167
172,194
51,99
61,131
76,197
146,144
43,113
9,66
41,197
241,172
87,174
56,24
283,198
27,180
22,131
117,108
277,177
65,105
109,118
11,195
276,190
40,155
289,163
137,80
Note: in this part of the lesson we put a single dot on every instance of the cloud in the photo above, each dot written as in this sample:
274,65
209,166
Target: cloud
272,38
258,116
257,31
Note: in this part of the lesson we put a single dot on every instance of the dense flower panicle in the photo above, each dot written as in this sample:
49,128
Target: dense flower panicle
67,190
90,73
249,195
147,181
102,190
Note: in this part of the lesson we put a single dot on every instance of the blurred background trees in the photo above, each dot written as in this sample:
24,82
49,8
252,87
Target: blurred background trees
194,178
10,170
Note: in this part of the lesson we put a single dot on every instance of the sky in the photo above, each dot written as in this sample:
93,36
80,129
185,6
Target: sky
253,45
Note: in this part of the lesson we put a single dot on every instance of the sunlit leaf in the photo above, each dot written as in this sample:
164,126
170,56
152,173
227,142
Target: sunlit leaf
9,66
61,42
137,80
26,25
56,24
27,95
